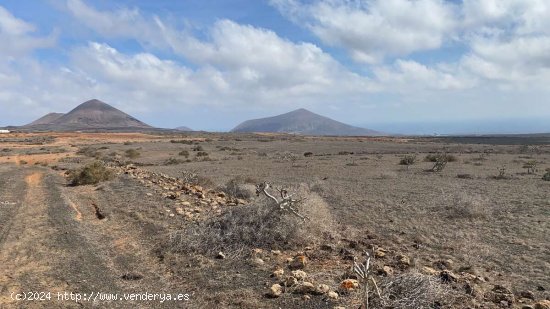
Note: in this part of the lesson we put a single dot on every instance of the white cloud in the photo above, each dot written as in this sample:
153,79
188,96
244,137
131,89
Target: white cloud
373,29
246,56
410,76
507,16
122,23
504,59
16,36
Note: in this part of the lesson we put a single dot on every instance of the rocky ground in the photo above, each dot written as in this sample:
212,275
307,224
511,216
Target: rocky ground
428,243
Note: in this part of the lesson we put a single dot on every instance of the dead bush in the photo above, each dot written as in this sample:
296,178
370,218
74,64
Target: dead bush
186,142
466,206
132,153
257,225
193,178
235,188
413,291
88,152
464,176
435,157
531,166
407,160
90,174
173,161
184,153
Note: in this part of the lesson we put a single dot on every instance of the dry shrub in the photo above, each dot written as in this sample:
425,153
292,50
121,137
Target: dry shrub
466,206
132,153
204,181
258,225
184,153
88,151
173,161
235,188
191,177
546,176
388,175
440,156
407,160
413,291
90,174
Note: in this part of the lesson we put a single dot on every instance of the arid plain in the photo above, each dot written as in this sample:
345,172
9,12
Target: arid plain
472,235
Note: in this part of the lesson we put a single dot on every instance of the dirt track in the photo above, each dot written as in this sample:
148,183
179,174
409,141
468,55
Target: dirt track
48,245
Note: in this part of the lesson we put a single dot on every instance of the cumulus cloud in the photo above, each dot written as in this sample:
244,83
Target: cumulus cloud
249,83
371,30
503,55
409,76
17,36
504,40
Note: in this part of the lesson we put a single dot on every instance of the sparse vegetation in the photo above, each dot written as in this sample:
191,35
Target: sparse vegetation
235,188
531,166
192,177
132,153
440,163
184,153
261,225
173,161
439,157
308,154
186,142
345,153
413,291
408,160
501,173
546,175
202,154
198,148
463,206
88,151
90,174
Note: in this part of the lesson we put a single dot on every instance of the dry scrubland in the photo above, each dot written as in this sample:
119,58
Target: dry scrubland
180,212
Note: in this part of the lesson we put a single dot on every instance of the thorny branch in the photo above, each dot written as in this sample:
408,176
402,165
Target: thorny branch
286,202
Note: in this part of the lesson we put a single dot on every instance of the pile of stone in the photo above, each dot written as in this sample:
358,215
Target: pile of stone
190,200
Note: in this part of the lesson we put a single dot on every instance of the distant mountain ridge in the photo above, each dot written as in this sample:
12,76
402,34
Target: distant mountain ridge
92,114
302,121
47,119
183,128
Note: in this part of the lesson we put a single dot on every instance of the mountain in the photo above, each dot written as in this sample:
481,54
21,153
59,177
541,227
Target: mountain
92,115
183,128
47,119
302,121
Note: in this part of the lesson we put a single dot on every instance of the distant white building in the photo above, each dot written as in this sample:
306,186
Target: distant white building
4,131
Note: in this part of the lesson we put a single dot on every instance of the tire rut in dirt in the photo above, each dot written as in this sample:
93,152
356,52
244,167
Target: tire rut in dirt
10,184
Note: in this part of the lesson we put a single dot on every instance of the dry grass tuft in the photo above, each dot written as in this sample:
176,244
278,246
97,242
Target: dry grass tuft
413,291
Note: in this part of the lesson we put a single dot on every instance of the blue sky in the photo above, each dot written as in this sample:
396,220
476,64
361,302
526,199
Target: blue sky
403,66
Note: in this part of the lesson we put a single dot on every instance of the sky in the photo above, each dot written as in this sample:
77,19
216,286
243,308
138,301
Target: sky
398,66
